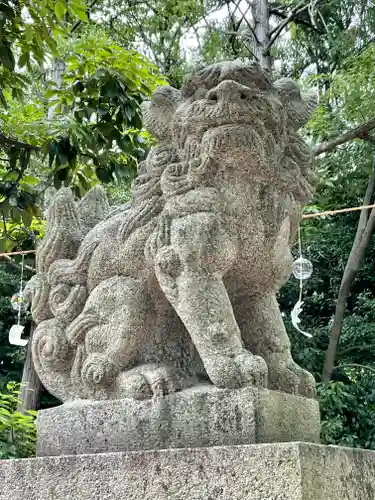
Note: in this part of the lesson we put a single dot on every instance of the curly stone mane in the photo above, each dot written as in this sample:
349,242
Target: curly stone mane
269,115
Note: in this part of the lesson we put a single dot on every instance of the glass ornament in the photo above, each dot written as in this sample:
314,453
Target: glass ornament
15,336
296,320
302,269
18,302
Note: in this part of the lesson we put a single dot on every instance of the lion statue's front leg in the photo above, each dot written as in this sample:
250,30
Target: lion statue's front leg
192,253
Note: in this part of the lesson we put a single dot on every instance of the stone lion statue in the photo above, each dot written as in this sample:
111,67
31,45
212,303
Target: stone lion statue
178,288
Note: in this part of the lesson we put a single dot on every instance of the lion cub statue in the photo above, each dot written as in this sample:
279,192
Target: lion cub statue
178,287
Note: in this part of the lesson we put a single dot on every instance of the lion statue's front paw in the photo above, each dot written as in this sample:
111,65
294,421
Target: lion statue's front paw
151,381
238,371
291,378
99,369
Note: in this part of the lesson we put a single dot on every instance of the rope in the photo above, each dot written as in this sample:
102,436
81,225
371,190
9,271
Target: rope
21,291
300,256
24,252
304,216
340,211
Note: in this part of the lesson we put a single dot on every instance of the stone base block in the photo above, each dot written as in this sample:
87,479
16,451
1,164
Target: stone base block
290,471
202,416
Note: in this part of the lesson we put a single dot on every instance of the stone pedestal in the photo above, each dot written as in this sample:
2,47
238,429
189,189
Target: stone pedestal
287,471
194,445
202,416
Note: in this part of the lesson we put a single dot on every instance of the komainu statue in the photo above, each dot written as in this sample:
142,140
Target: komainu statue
178,288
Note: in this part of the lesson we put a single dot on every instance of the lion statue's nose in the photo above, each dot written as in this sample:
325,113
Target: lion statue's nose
229,90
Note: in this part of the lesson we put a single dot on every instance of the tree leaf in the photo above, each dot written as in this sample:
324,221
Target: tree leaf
7,57
60,9
27,219
126,144
3,100
30,180
24,59
78,9
104,174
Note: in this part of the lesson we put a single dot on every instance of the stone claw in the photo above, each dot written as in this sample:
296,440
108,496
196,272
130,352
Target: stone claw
152,382
160,238
134,386
99,370
237,371
291,378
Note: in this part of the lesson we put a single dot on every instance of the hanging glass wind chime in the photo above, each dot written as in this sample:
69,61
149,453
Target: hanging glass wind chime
302,270
18,304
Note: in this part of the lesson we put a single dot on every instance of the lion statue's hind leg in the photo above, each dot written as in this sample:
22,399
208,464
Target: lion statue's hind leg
264,333
112,331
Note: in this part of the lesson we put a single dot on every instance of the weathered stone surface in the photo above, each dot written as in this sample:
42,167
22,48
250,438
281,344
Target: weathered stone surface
180,285
291,471
198,417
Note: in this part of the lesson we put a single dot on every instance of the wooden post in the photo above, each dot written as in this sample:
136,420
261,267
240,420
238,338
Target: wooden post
31,386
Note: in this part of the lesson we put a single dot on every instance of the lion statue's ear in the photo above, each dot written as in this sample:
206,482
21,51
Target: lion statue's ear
159,112
299,105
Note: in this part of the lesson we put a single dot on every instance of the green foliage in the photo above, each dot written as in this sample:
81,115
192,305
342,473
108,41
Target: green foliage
348,403
163,28
342,29
95,134
348,411
119,193
347,100
28,32
17,430
98,120
339,63
18,198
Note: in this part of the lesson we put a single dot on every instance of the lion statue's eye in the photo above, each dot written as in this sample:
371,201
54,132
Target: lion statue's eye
199,94
212,96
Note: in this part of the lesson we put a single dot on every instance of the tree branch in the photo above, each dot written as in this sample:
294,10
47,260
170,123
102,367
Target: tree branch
7,141
79,22
355,365
297,20
360,132
261,28
362,347
275,32
362,238
243,18
245,34
232,14
6,232
301,6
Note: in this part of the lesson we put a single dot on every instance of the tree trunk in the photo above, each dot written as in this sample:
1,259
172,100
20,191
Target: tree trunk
31,387
260,10
362,238
56,74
